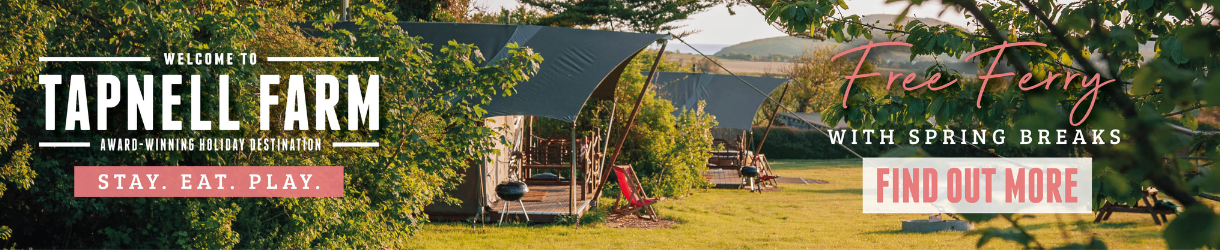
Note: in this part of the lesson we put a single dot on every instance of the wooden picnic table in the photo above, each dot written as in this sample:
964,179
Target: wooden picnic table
1150,200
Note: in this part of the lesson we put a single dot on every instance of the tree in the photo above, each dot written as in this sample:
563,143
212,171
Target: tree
647,16
668,151
426,142
519,15
1093,38
404,10
816,77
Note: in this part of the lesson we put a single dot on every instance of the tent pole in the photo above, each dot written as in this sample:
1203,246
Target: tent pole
606,145
572,179
528,142
482,198
770,122
343,17
631,121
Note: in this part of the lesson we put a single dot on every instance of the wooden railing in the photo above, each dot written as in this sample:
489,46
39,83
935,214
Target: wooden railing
555,153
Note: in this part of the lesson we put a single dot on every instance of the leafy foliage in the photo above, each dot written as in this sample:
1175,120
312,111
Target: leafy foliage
519,15
815,77
648,16
428,139
1154,97
668,152
405,10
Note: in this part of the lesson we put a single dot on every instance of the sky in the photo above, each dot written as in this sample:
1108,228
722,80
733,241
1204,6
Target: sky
717,26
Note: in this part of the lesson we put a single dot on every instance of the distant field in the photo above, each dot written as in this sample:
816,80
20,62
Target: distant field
736,66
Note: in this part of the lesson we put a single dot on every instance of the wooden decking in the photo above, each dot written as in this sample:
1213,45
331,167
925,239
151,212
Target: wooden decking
723,178
554,203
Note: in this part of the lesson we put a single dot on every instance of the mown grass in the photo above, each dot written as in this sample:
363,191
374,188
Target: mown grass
799,216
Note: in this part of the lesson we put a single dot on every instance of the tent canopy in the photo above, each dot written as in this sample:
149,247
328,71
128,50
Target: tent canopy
732,102
577,64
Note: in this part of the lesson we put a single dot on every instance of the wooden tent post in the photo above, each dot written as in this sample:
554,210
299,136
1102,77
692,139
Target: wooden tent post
767,131
572,178
606,145
605,175
769,123
482,198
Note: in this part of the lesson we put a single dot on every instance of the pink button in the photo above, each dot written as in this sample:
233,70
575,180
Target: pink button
208,181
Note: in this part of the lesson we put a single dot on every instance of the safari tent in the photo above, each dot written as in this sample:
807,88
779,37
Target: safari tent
730,100
578,65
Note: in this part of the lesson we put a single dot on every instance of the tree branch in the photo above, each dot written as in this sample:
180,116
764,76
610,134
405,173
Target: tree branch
1192,108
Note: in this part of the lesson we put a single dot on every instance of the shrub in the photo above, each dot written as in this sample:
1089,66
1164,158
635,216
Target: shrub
385,187
667,152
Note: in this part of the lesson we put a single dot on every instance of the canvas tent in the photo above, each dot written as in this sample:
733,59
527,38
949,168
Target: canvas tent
577,65
727,98
731,101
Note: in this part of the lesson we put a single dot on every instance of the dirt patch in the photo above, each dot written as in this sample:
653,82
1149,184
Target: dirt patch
797,180
631,221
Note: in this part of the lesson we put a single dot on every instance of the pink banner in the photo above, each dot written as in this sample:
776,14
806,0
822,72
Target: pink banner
208,181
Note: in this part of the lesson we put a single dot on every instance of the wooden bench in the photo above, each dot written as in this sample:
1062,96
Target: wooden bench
1150,199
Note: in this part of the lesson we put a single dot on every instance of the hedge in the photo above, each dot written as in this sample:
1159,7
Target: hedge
788,143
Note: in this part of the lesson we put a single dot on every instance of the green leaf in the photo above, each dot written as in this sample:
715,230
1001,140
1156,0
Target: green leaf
1190,121
1145,80
832,114
1196,227
883,115
915,107
1211,91
1171,47
130,7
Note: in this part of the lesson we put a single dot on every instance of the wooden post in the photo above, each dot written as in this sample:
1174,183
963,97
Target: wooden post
605,175
778,104
482,197
572,177
601,163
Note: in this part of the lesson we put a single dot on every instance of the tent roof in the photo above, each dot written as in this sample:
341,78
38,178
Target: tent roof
808,121
732,102
577,64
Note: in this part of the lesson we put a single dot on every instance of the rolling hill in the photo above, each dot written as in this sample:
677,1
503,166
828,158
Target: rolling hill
891,59
795,46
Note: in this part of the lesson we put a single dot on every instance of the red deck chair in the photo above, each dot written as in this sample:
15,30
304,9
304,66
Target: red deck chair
634,194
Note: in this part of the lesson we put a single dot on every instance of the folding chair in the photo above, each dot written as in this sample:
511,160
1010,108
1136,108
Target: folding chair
629,184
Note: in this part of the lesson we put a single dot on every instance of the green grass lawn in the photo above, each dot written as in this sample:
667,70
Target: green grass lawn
799,216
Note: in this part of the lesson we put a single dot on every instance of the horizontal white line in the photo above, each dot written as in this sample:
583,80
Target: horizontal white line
94,59
355,144
322,59
63,144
